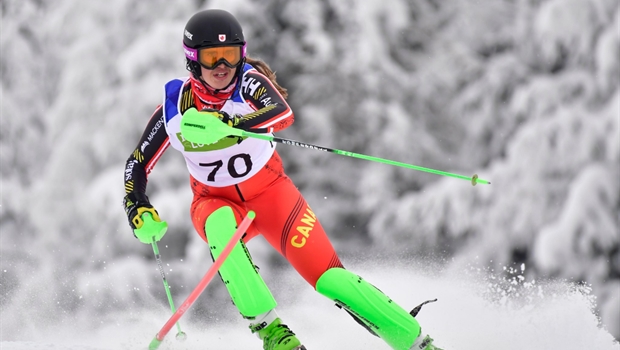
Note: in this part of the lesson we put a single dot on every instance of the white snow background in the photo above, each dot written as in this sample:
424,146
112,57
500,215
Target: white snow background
524,93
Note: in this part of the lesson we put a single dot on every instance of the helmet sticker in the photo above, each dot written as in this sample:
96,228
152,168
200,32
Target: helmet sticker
188,34
222,37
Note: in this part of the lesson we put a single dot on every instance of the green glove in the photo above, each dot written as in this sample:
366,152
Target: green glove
235,121
151,230
139,210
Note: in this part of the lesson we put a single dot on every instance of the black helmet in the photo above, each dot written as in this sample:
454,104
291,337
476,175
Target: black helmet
211,28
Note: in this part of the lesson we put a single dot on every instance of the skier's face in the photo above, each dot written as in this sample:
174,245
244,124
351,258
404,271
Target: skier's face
218,77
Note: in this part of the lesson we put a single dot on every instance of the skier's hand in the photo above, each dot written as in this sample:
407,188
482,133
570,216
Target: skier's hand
137,205
235,121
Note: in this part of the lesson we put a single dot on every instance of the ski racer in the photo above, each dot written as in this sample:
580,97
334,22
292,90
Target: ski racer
235,175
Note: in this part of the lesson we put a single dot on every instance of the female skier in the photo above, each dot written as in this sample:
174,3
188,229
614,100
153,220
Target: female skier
235,175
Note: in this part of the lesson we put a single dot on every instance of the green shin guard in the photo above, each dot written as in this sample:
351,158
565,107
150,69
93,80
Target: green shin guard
247,289
370,306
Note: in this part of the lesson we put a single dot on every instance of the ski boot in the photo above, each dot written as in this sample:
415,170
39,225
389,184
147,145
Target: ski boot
424,342
277,336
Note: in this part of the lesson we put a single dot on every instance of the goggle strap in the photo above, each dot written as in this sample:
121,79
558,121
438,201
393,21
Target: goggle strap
191,54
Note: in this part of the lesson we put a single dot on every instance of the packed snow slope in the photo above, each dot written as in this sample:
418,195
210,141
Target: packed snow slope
475,310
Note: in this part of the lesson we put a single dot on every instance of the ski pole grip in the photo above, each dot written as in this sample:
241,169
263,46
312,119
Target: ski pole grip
151,231
204,127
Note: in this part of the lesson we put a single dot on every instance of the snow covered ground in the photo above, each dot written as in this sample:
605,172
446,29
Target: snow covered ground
475,311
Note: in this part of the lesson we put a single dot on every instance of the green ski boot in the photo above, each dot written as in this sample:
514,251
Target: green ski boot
424,342
277,336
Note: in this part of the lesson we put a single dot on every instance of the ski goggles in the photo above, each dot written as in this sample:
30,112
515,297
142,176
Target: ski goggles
211,57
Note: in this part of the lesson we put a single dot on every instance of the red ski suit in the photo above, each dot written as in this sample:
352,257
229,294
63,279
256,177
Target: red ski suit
282,215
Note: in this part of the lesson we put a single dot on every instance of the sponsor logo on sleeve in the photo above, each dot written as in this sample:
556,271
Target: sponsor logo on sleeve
144,145
250,85
158,125
129,170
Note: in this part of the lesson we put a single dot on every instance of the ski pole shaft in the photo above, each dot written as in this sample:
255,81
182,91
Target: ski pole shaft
204,282
166,286
203,128
473,179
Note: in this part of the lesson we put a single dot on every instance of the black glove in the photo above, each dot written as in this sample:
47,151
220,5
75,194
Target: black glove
136,204
235,121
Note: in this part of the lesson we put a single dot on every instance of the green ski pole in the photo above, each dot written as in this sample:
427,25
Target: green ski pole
181,336
158,228
202,128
